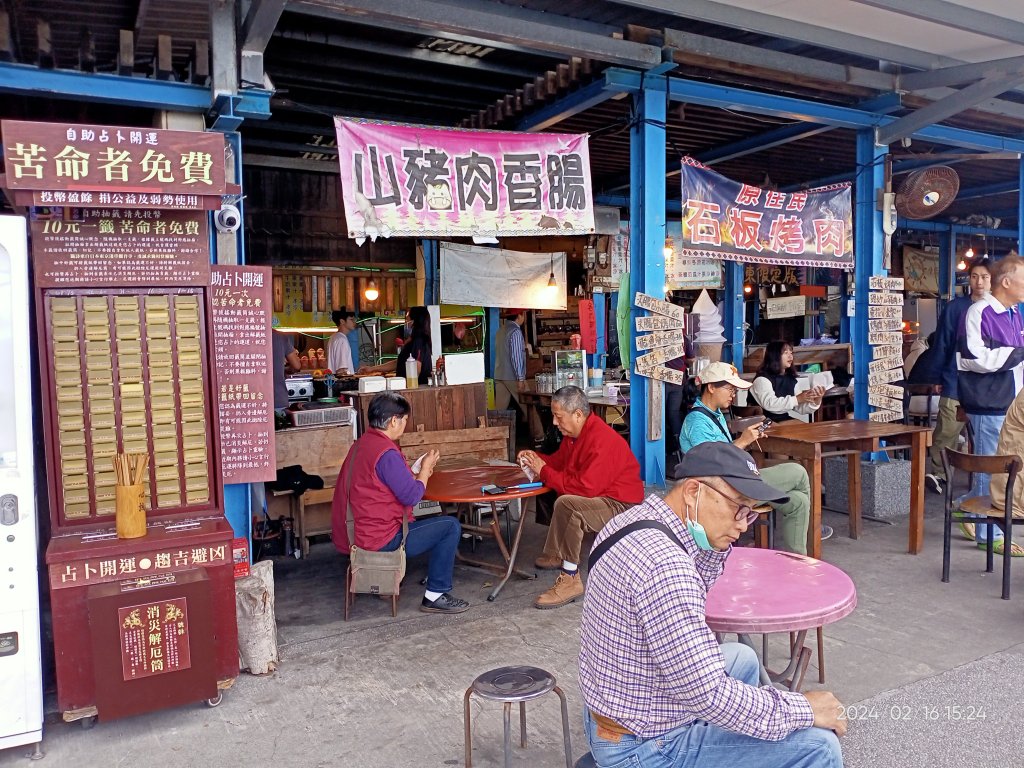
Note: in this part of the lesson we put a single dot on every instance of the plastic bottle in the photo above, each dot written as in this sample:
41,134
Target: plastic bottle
412,376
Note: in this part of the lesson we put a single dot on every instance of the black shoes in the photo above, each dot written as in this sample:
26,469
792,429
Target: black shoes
933,483
446,603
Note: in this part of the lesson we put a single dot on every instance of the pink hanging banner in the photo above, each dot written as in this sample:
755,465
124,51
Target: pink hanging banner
416,181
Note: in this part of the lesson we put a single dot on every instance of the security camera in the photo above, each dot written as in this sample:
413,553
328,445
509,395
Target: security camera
228,219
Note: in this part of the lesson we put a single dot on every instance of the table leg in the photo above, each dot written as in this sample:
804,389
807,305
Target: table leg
813,466
854,493
917,461
512,561
745,639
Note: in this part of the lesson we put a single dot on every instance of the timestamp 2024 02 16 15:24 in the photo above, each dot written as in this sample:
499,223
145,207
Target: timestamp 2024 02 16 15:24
934,713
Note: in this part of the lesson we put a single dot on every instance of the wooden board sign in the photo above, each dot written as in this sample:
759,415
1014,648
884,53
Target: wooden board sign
885,416
885,324
878,283
658,306
889,390
787,306
658,356
885,337
882,377
880,311
882,365
661,373
887,352
657,323
880,401
890,299
659,339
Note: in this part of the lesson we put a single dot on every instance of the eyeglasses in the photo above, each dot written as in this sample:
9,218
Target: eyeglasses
743,511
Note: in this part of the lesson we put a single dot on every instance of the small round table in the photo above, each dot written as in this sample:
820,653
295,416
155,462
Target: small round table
462,486
765,590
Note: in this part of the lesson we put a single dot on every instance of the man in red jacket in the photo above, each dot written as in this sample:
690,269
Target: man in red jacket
595,476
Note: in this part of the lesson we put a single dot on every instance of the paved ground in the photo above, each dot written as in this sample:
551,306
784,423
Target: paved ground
936,669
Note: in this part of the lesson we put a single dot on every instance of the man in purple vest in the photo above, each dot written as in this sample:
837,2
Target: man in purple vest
383,490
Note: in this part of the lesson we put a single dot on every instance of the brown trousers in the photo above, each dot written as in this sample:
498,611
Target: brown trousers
573,518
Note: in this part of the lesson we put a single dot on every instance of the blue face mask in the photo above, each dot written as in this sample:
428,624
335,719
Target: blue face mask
695,529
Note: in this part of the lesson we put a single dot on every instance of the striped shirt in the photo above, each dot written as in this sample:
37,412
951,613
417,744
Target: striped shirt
647,658
517,350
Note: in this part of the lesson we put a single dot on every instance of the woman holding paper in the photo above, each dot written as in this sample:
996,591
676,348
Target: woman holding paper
774,388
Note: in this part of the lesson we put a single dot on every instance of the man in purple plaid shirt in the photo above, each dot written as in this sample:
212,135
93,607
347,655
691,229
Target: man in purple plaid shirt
658,688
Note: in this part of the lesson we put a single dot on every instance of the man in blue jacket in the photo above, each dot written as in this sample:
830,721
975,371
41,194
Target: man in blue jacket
947,428
990,359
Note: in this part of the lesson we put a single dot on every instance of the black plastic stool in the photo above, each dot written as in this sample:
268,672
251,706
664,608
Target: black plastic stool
510,685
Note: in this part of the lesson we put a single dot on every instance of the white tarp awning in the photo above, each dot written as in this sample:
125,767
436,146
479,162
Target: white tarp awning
495,277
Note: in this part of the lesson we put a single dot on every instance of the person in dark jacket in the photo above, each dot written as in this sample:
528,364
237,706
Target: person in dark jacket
990,361
947,428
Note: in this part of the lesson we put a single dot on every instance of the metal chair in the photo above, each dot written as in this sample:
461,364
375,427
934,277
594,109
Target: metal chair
510,685
916,416
978,509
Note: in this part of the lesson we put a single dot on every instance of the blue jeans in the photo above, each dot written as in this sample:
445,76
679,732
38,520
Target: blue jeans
702,745
986,429
440,537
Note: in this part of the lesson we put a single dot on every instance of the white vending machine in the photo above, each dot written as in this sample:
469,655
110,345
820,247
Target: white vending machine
21,690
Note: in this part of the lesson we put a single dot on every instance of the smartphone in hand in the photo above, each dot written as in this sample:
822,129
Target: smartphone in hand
764,426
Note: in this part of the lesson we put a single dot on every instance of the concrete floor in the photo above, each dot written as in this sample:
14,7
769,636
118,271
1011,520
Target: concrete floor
378,692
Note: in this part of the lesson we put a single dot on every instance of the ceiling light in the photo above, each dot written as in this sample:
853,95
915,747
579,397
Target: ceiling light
371,293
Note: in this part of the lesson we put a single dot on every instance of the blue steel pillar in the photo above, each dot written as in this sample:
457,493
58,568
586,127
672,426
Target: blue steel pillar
733,314
236,495
1020,205
647,267
867,245
844,299
493,324
601,316
431,272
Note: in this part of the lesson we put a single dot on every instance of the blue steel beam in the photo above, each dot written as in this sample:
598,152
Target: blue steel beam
958,229
586,97
739,99
27,80
647,267
1002,188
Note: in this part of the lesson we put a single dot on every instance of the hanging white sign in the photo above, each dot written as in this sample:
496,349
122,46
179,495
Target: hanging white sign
658,306
878,283
659,339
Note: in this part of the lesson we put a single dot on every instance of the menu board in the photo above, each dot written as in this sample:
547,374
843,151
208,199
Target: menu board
128,375
241,307
122,247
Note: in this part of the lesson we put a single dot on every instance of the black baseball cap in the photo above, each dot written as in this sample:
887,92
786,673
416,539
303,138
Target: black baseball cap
732,464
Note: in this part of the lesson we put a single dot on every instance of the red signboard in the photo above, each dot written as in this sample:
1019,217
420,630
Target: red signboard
108,247
588,326
242,309
154,638
56,156
98,570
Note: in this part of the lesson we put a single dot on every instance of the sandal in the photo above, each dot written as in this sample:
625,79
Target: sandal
967,531
997,548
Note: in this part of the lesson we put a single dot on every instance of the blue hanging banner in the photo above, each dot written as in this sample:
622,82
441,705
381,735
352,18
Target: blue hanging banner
725,219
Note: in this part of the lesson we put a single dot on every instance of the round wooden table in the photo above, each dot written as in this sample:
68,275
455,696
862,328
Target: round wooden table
765,590
462,486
